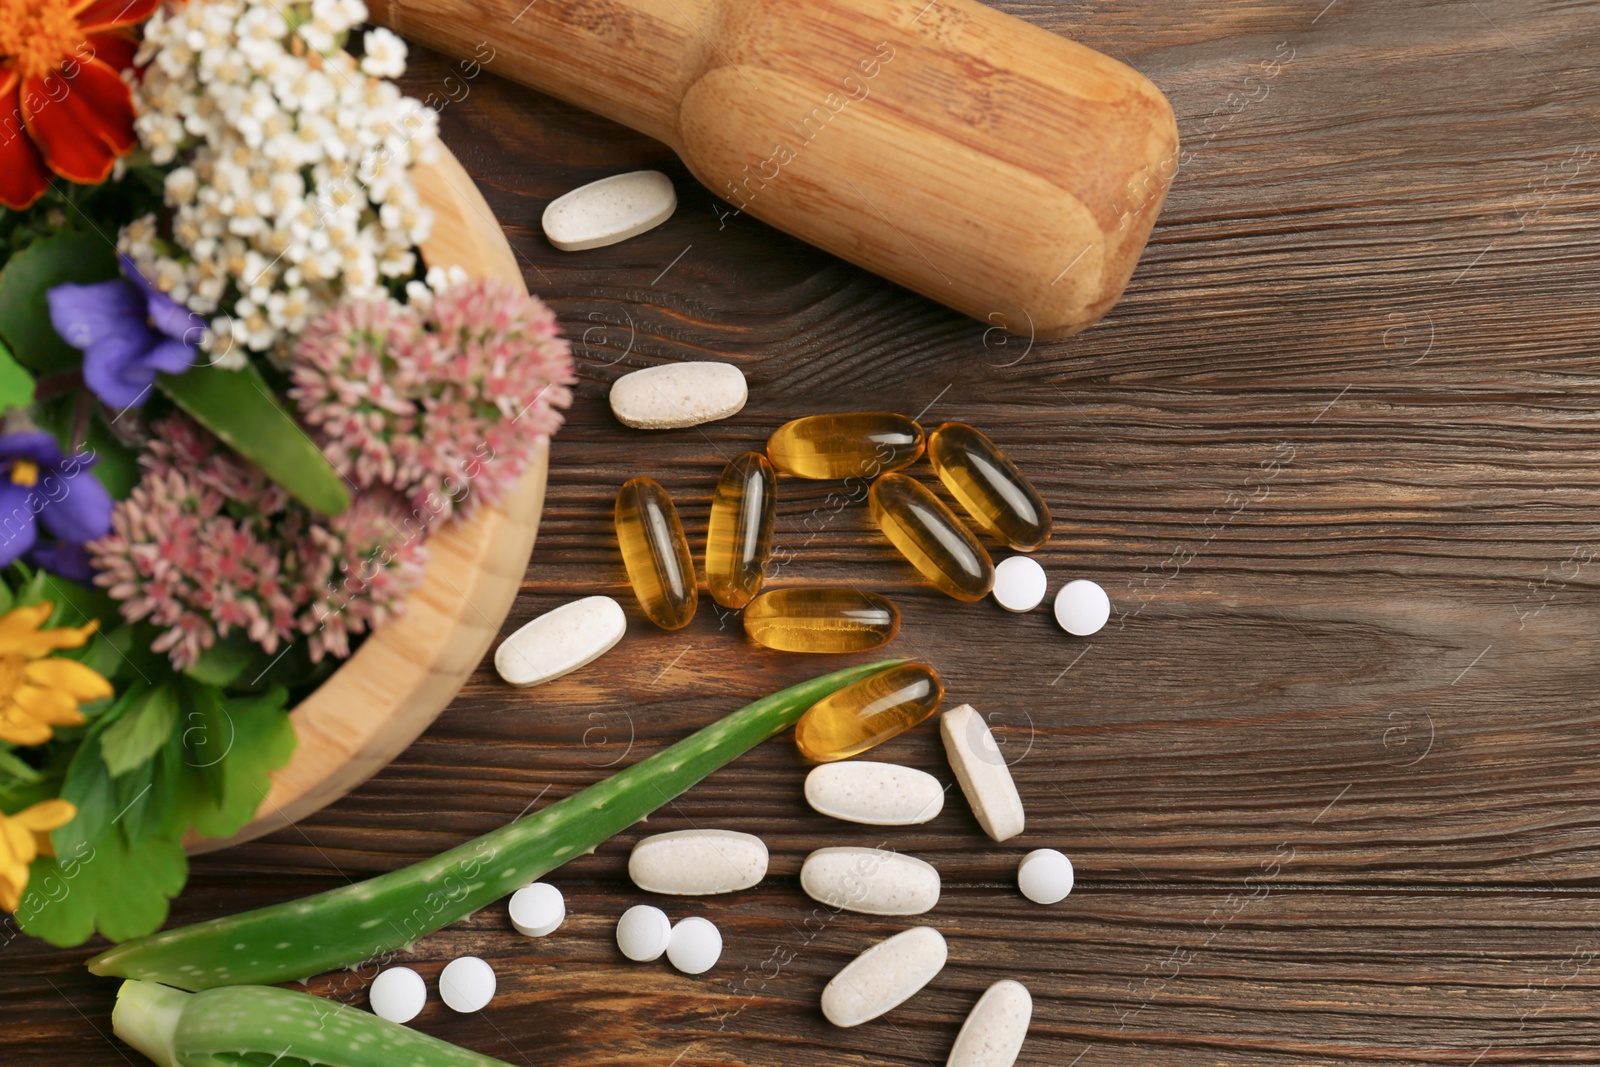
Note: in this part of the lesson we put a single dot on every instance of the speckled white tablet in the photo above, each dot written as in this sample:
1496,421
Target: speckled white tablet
697,863
695,945
466,984
877,794
610,210
537,909
872,881
884,976
994,1031
643,933
674,395
1082,607
1045,876
560,641
397,995
981,769
1019,583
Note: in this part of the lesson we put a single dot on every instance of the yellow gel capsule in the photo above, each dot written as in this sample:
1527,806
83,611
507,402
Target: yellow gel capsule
988,485
860,444
656,553
868,713
929,535
821,620
739,537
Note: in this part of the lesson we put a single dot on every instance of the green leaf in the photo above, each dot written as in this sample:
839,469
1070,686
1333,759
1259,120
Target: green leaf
32,589
138,734
247,738
102,883
75,602
16,384
7,599
223,662
87,786
240,409
64,256
12,766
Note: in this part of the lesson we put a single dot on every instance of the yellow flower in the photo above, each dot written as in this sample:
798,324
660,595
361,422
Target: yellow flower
22,837
36,693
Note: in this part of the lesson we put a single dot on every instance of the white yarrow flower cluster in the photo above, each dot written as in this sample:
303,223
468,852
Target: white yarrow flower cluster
293,187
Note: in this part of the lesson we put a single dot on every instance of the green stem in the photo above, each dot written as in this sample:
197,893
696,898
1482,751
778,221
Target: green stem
246,1026
345,926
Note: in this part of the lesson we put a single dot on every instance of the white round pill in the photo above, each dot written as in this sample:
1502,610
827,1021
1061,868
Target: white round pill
466,984
1019,583
643,933
397,995
695,945
1082,607
537,909
1045,876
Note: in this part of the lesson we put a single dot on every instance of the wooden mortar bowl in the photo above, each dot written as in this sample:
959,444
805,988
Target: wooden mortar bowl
405,673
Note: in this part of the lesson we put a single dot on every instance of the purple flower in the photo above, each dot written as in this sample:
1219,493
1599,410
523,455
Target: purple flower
128,330
39,484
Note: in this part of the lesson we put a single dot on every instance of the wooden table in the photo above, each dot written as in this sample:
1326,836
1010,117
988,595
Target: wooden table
1328,777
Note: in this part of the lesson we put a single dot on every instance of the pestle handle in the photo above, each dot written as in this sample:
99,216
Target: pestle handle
984,162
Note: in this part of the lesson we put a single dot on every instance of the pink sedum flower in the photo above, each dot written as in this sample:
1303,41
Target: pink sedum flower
206,546
444,403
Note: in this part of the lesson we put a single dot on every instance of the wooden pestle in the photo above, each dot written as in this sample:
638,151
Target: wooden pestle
979,160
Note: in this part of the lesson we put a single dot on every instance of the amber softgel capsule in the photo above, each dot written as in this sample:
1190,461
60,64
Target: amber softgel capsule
656,554
929,535
859,444
1002,503
739,537
869,712
821,619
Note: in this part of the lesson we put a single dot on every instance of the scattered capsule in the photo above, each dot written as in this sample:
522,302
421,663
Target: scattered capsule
739,538
929,535
656,553
1000,500
821,620
869,712
860,444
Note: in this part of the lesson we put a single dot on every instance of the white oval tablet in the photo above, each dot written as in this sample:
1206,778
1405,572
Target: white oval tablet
1045,876
643,933
981,769
610,210
397,995
1019,583
466,984
537,909
994,1031
884,976
695,945
697,863
872,881
675,395
561,640
877,794
1082,607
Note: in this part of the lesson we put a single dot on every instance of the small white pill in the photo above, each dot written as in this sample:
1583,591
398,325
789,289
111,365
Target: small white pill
981,769
560,641
466,984
537,909
1082,607
872,881
877,794
610,210
675,395
397,995
695,945
993,1034
1045,876
1019,583
643,933
884,976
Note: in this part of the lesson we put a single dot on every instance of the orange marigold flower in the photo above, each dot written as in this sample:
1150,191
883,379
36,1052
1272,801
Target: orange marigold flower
39,692
24,837
63,104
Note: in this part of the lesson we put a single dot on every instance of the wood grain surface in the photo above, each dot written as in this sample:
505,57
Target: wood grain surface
1328,777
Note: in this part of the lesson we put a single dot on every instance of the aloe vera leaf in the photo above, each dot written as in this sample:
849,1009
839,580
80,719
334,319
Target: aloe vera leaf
245,1026
344,926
